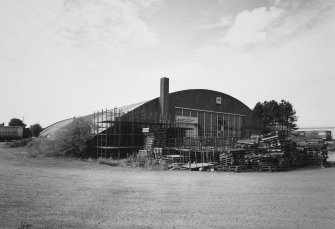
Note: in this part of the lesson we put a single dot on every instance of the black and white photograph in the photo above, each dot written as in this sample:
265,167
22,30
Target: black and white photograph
167,114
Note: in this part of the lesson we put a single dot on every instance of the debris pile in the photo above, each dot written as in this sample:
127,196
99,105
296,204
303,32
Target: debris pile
316,156
233,160
273,152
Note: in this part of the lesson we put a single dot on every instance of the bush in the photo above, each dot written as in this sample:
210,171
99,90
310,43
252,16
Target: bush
133,161
74,140
44,146
36,129
16,122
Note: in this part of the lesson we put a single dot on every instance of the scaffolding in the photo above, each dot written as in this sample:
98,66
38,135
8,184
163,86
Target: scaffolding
119,133
199,152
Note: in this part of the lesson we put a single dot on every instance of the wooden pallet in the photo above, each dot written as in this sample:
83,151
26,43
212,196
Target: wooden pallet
268,168
235,168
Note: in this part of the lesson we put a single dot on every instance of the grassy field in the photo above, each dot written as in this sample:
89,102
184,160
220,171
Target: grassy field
63,193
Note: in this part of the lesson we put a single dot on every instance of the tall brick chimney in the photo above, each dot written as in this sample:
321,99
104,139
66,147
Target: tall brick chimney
164,97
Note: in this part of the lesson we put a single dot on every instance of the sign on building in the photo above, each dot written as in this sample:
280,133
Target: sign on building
145,130
218,100
186,120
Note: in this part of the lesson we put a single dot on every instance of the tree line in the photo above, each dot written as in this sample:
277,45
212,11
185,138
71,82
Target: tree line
34,130
278,116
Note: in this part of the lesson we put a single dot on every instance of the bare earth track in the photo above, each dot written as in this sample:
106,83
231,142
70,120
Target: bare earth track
64,193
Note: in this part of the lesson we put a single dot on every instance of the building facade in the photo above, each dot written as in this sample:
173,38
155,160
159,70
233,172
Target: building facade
204,113
197,114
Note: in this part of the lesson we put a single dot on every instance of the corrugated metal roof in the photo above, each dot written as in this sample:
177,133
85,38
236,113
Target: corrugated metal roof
52,130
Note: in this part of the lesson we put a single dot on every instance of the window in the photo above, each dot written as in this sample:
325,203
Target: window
179,111
212,124
186,112
201,123
220,126
226,134
230,126
208,117
194,113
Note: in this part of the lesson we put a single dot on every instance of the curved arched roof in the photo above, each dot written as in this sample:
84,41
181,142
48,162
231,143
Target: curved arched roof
52,130
206,98
201,99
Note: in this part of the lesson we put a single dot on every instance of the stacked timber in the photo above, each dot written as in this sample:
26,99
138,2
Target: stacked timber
233,160
316,156
282,150
267,163
285,163
247,144
281,159
172,161
252,160
271,140
299,157
312,152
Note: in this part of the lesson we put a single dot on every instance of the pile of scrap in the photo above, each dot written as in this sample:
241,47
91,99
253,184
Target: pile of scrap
273,152
247,144
271,140
267,163
172,162
315,150
316,156
233,160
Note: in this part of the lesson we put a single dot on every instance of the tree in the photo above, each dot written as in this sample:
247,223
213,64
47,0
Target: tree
16,122
268,112
276,115
287,115
36,129
74,140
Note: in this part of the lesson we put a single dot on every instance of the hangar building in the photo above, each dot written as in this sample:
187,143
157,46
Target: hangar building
190,118
200,114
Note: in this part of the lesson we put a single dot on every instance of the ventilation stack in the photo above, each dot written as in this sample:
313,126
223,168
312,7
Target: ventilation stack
164,97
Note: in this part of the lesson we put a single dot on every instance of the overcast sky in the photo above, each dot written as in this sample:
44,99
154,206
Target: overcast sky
65,58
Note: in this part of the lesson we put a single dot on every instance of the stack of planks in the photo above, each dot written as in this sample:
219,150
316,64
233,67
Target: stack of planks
233,160
299,158
271,140
316,156
284,163
252,160
267,163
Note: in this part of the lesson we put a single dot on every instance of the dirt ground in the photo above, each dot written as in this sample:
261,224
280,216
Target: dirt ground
63,193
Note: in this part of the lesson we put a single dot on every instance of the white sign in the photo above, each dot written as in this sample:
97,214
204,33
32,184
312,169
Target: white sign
158,150
145,130
186,120
218,100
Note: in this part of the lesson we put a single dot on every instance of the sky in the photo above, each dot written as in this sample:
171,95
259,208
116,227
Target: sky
66,58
